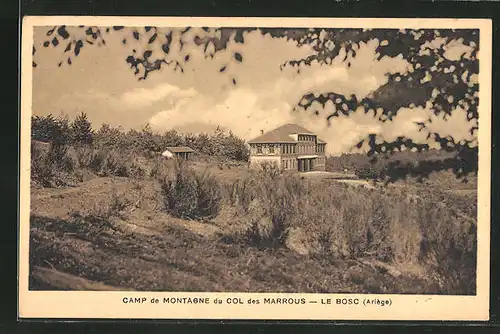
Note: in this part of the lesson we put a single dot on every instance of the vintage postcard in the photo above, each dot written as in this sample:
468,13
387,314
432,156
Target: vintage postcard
255,168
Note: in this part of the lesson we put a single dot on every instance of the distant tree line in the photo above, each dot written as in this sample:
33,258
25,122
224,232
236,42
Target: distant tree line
61,131
393,166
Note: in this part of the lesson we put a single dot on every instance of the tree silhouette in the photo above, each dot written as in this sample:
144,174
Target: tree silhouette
81,130
444,85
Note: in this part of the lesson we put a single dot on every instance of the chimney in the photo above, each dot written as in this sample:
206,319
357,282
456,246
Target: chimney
261,132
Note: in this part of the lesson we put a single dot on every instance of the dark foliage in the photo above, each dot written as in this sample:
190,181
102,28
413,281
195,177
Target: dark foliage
61,131
81,129
190,195
50,129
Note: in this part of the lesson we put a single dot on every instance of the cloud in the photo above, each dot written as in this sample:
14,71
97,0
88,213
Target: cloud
140,97
247,110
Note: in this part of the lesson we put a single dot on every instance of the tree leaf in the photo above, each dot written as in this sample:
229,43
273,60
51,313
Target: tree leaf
46,44
124,41
78,46
69,61
152,39
51,31
116,28
186,58
62,32
34,50
55,42
89,31
238,56
34,64
165,47
147,54
136,35
68,47
234,81
239,36
147,28
222,69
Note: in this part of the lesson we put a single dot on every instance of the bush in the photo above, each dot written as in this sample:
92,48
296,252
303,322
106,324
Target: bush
42,169
368,171
278,198
335,220
242,193
48,167
159,169
50,129
106,162
269,169
192,196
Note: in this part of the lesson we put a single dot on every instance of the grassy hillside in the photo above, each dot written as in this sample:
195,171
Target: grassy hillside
205,227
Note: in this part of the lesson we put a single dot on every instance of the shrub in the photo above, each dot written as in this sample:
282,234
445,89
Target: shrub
192,196
48,167
368,171
448,246
242,193
278,198
50,129
269,169
42,169
390,225
106,162
159,169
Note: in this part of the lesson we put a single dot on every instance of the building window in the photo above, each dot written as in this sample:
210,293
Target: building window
259,149
271,149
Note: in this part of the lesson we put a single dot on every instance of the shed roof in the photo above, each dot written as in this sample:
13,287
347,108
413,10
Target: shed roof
180,149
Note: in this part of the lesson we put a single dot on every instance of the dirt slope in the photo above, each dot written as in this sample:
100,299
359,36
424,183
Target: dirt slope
146,249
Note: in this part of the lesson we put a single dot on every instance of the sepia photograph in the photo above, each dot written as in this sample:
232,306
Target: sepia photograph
268,157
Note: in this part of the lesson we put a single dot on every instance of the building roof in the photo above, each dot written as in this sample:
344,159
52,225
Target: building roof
282,135
180,149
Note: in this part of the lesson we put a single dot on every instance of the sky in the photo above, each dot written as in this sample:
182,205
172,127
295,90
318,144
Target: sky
100,83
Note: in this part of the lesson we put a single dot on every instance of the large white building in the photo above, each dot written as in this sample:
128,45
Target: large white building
290,147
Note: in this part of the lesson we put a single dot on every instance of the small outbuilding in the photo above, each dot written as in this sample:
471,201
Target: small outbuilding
178,152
